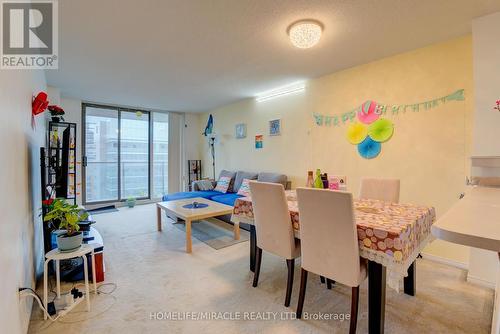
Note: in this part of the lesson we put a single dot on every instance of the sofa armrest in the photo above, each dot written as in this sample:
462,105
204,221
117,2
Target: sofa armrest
195,184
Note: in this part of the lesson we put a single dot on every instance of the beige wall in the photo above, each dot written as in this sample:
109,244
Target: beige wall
428,152
21,236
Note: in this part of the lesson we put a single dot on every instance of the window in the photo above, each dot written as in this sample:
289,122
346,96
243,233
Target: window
125,154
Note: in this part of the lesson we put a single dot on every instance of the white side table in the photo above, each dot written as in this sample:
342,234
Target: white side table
57,256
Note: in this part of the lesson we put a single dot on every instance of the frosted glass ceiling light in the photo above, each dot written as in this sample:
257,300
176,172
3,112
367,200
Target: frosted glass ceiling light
305,34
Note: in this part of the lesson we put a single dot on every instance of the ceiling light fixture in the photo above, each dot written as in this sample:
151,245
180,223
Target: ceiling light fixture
289,89
305,33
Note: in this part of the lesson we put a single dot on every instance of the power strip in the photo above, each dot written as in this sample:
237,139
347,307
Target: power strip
72,299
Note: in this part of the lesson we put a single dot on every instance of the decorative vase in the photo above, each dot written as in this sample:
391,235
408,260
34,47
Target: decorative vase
324,178
310,179
70,243
56,119
318,183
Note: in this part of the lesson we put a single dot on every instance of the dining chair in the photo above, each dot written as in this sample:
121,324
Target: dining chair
382,189
273,228
329,243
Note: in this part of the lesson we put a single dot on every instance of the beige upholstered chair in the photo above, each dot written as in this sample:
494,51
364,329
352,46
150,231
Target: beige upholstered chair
382,189
273,228
329,242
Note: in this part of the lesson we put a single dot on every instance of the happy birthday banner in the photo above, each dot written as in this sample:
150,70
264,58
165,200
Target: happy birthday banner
382,109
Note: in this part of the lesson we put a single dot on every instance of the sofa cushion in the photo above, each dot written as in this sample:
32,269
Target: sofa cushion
227,199
223,184
229,174
272,178
204,185
240,175
190,194
244,188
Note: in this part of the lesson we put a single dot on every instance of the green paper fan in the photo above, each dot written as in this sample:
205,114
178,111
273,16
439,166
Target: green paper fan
381,130
356,133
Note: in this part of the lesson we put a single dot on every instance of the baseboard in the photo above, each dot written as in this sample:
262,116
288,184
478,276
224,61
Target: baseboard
480,282
443,260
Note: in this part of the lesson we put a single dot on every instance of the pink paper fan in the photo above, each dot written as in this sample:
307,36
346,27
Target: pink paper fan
368,113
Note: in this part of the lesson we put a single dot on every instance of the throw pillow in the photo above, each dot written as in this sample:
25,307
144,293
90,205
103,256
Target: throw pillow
223,184
244,188
205,185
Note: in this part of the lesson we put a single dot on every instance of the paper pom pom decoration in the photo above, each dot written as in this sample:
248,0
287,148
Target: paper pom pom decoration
369,112
356,133
369,148
368,138
381,130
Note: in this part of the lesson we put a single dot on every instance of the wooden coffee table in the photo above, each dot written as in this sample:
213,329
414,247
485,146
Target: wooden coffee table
177,209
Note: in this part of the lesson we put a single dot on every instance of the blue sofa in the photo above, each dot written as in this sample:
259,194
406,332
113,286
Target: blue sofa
230,197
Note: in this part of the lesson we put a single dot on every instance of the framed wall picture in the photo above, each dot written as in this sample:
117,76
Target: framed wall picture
241,131
275,127
259,141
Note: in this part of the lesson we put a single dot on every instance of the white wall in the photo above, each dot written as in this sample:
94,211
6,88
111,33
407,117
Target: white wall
21,236
486,63
191,144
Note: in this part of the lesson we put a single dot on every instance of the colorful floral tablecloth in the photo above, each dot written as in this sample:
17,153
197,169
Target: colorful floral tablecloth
391,234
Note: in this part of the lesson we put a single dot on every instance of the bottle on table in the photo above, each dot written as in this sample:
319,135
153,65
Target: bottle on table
318,182
310,179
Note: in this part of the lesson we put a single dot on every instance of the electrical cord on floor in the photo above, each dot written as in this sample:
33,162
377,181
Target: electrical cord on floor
33,293
99,291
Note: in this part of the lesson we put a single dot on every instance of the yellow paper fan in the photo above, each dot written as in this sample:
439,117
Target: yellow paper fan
356,133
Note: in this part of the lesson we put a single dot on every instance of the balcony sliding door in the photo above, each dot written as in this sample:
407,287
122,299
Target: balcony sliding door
125,154
134,155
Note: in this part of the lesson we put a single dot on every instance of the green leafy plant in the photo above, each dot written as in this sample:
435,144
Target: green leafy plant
65,215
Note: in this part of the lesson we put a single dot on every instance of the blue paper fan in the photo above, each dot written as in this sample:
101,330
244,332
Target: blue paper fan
369,148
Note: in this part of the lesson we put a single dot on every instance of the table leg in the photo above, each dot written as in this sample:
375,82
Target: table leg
86,274
188,237
495,323
93,272
236,228
410,281
376,297
45,287
58,278
253,247
158,217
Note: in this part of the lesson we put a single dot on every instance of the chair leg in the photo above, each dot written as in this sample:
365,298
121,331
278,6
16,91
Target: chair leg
354,310
302,294
258,260
289,283
329,283
322,279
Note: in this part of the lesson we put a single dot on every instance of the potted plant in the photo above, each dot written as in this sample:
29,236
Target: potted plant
56,112
131,202
66,217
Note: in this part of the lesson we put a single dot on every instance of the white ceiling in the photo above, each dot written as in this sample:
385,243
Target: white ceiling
195,55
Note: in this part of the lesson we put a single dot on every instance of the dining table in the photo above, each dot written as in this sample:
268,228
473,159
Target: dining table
390,236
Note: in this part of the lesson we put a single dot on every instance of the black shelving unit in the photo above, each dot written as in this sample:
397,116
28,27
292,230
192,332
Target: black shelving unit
55,154
194,172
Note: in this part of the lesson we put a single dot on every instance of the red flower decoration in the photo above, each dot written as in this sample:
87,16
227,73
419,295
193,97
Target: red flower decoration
56,110
48,202
498,105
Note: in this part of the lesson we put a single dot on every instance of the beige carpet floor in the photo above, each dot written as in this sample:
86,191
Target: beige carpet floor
153,274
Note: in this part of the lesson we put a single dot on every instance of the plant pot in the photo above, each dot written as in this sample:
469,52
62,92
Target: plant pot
56,119
67,243
130,203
